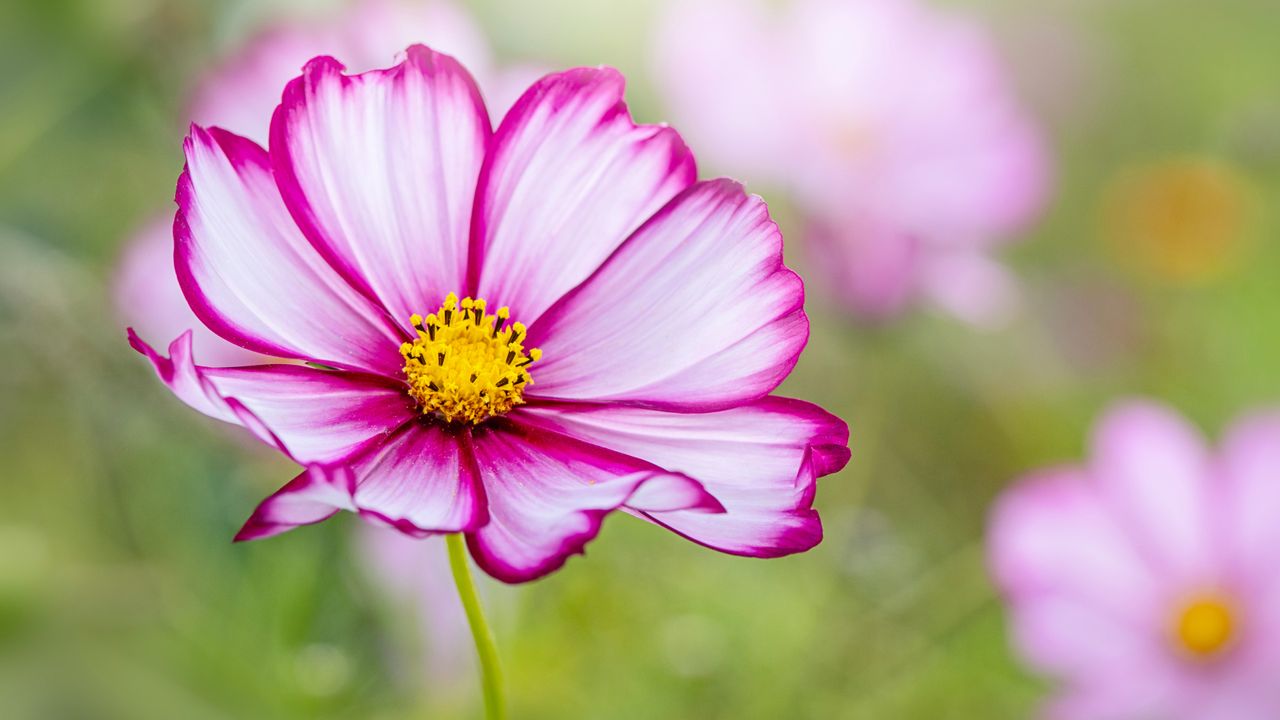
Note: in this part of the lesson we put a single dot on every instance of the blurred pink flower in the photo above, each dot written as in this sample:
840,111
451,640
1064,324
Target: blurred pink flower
662,304
1145,580
241,94
893,126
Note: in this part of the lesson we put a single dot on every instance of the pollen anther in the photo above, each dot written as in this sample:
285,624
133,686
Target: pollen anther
480,369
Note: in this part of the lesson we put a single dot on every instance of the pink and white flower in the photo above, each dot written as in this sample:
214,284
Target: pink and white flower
241,93
1146,579
892,124
637,319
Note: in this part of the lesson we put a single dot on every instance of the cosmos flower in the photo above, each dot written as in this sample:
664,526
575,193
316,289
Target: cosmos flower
508,334
1145,579
240,94
892,125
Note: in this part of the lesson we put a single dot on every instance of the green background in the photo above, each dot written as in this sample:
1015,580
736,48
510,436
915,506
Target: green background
121,595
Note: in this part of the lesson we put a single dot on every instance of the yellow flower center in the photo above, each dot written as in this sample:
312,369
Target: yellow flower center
467,365
1205,626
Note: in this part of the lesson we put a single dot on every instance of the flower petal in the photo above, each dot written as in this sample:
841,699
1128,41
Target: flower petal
1053,534
252,278
1092,650
696,312
314,416
1250,461
548,495
760,461
418,483
379,170
1084,604
569,177
315,495
147,297
415,482
1154,470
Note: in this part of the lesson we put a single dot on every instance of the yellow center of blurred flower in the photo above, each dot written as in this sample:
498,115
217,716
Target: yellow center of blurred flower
467,365
1205,626
1183,221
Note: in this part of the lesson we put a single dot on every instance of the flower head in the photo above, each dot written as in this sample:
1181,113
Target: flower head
1145,580
510,333
893,124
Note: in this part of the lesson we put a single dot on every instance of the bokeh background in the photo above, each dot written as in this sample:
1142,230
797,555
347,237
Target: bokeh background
121,595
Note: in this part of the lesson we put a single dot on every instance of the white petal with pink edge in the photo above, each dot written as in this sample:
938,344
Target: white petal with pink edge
694,313
250,275
417,482
568,178
548,495
318,493
759,460
314,416
420,482
379,170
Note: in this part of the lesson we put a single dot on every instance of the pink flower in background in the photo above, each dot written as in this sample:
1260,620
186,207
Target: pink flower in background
240,95
1145,580
893,126
619,329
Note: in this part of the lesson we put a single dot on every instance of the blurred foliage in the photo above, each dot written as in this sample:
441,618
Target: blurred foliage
121,595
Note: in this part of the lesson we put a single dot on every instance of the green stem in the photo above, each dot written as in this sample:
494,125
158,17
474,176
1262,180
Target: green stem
486,648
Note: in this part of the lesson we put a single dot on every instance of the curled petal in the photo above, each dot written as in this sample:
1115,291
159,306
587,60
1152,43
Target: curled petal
316,494
419,483
760,461
416,482
314,416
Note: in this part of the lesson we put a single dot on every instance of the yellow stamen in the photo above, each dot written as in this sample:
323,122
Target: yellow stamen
467,365
1205,626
